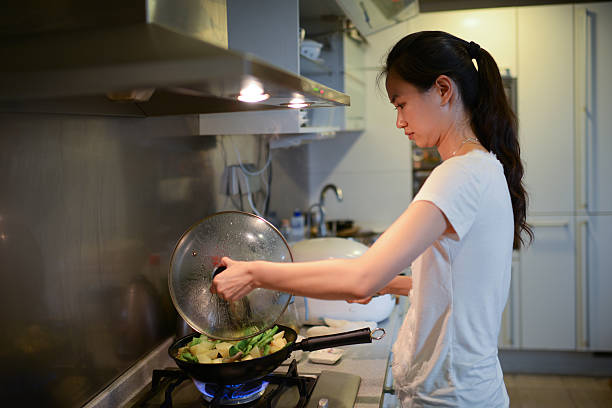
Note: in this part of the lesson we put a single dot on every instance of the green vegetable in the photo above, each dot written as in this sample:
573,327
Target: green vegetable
195,340
187,356
253,340
267,337
261,341
242,345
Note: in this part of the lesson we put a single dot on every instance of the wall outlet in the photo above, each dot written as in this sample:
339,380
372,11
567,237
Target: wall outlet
234,180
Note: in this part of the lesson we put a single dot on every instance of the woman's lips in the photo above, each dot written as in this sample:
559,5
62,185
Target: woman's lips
410,135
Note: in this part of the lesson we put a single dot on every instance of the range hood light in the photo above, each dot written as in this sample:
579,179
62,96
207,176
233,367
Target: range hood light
298,103
252,92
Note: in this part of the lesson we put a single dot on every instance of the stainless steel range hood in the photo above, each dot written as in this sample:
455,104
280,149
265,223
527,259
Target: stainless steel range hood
135,58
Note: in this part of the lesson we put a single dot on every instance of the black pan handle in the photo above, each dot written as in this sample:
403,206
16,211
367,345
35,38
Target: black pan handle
218,270
340,339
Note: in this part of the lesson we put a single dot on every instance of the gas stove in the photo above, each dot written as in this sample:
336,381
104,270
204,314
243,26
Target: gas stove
172,387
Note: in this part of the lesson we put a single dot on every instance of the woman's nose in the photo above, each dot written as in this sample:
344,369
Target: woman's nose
400,122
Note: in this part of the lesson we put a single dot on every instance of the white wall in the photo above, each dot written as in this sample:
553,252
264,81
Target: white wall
374,168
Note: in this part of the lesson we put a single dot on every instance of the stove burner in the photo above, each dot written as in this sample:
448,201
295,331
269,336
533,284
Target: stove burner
232,394
170,388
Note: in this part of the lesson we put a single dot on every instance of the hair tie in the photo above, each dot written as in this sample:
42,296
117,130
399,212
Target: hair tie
473,50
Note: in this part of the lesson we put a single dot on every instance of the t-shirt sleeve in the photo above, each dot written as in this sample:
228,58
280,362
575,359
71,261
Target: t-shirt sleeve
456,188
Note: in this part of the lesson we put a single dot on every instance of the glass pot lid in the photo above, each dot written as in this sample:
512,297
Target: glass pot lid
242,237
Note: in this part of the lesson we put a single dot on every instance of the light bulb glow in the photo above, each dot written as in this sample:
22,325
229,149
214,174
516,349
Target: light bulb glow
252,92
297,103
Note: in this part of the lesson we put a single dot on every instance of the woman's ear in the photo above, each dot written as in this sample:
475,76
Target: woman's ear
445,87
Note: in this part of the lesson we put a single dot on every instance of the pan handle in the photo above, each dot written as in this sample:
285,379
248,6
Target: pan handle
340,339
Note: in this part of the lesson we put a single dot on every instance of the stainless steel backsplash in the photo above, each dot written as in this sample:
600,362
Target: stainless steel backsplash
90,211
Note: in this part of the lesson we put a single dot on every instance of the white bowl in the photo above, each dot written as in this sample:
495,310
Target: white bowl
314,311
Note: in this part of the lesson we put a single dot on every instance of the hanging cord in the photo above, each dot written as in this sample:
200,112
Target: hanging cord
269,185
253,173
239,205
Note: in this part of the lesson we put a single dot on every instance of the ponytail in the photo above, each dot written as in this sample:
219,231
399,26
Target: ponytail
420,58
495,125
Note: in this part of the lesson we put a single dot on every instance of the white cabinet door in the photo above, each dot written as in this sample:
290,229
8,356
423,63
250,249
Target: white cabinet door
548,287
593,88
595,233
509,333
546,105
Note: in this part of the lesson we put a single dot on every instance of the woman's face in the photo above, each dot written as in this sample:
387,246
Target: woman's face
419,114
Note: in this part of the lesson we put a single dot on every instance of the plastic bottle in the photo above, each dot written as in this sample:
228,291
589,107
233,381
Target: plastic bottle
297,226
285,229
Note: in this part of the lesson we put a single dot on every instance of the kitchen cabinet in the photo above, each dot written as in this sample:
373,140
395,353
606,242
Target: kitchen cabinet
593,99
593,29
341,65
547,286
274,36
509,333
546,106
565,141
595,260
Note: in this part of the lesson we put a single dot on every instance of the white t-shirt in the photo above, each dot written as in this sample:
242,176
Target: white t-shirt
446,352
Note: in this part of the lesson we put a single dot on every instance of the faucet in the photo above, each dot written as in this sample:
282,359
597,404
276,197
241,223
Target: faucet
322,230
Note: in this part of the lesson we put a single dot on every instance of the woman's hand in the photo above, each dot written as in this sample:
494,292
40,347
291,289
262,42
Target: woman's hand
234,282
363,301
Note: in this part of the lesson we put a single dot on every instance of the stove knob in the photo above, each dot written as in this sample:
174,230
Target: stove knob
323,402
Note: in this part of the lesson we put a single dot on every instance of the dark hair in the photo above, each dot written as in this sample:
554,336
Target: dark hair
420,58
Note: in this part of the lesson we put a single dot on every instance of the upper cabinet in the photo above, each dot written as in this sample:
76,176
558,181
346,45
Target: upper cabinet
340,64
546,106
308,38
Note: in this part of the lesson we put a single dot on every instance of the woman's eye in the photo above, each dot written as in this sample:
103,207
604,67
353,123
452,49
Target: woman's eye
400,106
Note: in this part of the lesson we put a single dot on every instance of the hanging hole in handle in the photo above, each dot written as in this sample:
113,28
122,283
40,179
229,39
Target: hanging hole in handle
378,329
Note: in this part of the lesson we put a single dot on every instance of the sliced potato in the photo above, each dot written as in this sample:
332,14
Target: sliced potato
200,348
217,361
214,353
274,348
278,335
223,349
248,357
280,342
203,358
255,352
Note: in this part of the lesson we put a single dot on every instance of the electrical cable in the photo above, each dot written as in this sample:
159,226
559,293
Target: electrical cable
267,201
252,173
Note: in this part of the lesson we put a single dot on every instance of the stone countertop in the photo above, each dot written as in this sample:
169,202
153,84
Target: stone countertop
369,361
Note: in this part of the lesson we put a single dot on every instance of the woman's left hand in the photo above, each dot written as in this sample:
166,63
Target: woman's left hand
234,282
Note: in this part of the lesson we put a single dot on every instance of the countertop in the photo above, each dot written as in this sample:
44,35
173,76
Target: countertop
369,361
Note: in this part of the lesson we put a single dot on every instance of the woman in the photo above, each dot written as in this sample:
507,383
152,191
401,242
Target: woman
458,232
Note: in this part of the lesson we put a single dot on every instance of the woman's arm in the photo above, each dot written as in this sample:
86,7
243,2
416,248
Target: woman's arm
415,230
400,285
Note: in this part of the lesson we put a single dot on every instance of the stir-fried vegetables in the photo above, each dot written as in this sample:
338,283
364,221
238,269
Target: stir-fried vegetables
204,350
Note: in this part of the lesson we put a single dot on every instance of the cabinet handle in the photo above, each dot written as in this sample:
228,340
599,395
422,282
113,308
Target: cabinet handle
583,103
582,282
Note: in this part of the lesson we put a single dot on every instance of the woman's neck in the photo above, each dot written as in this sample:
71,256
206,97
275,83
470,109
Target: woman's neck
458,142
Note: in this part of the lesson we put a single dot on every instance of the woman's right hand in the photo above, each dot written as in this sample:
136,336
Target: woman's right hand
363,301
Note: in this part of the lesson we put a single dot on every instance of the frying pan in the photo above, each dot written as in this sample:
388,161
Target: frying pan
240,372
